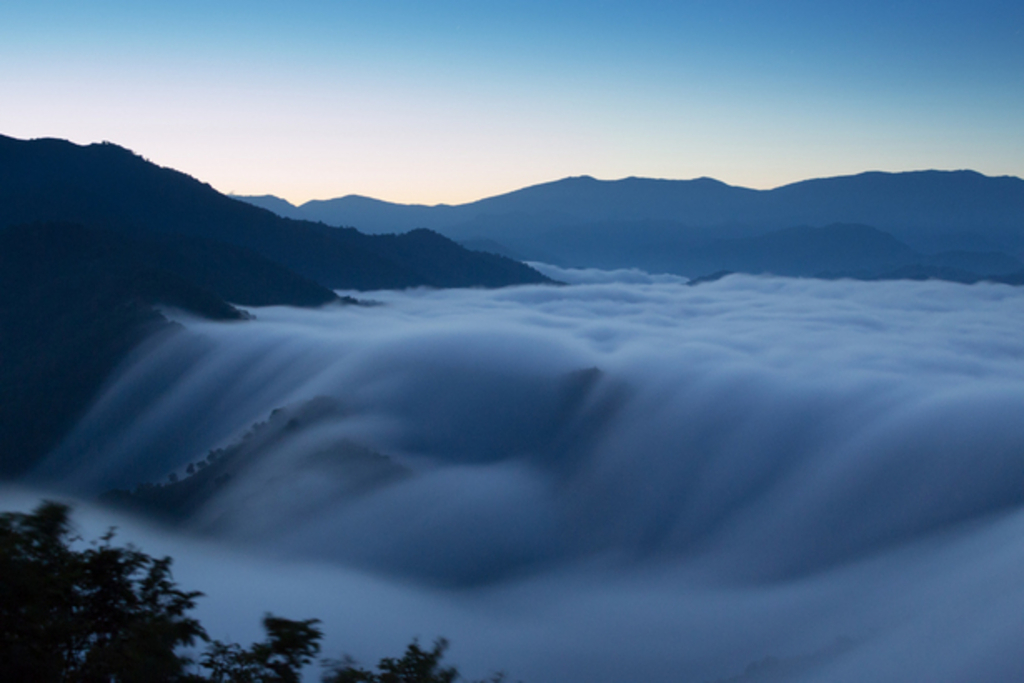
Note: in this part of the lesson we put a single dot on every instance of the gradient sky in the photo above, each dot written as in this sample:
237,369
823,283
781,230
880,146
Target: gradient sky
453,100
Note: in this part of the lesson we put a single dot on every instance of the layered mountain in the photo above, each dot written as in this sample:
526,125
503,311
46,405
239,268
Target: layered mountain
837,250
680,225
108,187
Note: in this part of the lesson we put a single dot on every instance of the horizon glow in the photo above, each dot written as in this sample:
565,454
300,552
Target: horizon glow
453,101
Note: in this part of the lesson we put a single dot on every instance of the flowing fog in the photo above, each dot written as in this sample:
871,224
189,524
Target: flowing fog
626,479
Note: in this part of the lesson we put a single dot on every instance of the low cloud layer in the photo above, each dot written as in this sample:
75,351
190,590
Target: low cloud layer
598,276
611,481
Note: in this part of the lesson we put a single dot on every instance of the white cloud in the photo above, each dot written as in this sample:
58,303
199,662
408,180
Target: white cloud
594,276
761,465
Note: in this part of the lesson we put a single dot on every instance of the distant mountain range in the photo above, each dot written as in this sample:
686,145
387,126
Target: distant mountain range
961,219
95,241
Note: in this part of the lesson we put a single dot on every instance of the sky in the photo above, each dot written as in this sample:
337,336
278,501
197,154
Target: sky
454,100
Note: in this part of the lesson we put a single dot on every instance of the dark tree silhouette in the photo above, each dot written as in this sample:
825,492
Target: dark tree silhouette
99,614
290,645
108,614
415,666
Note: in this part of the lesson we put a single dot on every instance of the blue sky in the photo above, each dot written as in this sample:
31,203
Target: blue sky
450,101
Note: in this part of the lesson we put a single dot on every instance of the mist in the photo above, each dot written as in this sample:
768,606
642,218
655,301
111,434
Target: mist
621,479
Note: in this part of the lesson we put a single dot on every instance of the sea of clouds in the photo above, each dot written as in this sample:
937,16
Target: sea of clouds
621,479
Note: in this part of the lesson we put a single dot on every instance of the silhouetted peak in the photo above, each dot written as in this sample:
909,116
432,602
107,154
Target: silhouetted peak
903,180
261,197
106,186
60,146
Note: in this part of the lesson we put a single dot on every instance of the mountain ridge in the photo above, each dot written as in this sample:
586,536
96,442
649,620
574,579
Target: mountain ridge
898,183
109,187
677,225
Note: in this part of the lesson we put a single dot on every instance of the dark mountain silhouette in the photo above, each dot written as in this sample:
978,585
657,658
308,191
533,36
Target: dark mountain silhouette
663,224
109,187
987,263
569,201
277,205
856,251
931,210
75,301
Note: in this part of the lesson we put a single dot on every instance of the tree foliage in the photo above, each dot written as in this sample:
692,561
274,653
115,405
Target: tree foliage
109,614
290,645
415,666
99,614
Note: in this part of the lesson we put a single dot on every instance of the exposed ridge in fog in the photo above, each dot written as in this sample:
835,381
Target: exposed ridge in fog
355,468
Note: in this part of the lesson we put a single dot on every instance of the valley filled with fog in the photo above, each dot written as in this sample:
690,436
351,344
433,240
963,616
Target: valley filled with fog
625,478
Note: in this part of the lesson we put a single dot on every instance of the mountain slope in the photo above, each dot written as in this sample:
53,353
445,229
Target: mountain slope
73,304
804,250
109,187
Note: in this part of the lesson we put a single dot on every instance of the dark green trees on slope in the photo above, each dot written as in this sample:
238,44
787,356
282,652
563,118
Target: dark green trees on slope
92,615
114,615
